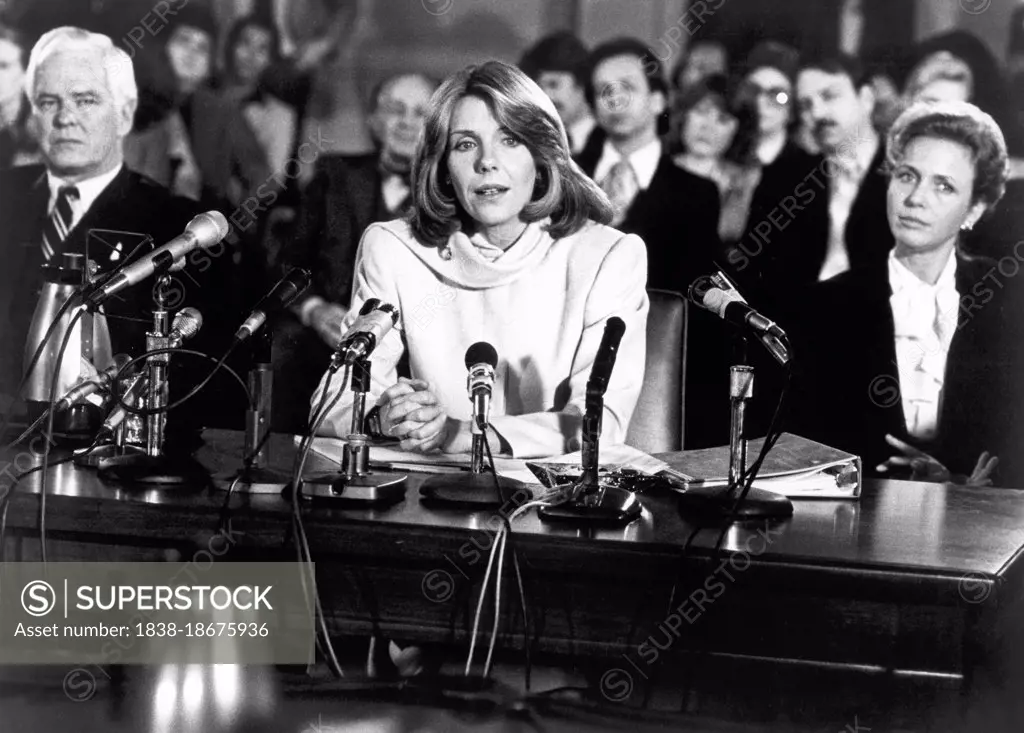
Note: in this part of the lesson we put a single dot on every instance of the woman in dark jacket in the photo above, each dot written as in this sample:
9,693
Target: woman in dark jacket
903,362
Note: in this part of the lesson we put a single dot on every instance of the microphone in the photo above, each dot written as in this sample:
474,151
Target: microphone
604,362
481,361
717,294
87,387
283,294
204,231
374,321
186,324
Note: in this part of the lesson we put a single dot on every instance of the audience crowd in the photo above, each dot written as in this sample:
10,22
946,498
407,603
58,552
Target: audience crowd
875,213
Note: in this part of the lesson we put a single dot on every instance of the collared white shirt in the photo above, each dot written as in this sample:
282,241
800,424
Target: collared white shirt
925,317
847,174
88,191
579,133
643,161
394,190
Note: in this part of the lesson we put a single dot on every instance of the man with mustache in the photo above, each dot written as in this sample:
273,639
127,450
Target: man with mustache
835,96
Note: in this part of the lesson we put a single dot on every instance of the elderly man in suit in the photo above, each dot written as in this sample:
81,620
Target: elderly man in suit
347,195
83,199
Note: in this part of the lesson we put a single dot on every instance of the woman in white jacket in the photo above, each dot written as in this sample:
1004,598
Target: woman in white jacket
507,244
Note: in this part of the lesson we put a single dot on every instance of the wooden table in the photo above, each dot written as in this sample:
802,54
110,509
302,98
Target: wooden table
915,582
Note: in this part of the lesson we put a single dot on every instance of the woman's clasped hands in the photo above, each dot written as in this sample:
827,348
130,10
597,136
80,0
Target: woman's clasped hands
411,412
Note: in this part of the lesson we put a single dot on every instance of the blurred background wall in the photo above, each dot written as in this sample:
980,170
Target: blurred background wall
438,36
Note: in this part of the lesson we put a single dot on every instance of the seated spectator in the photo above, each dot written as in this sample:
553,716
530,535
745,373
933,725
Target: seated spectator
675,212
714,136
83,96
768,82
839,101
957,66
347,195
158,145
252,47
770,70
17,146
230,158
559,65
901,360
651,194
507,243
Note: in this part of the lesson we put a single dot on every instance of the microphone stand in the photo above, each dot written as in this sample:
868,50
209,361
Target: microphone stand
718,501
356,482
120,445
475,489
154,467
257,477
589,502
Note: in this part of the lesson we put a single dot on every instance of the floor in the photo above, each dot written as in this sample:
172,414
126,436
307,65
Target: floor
228,699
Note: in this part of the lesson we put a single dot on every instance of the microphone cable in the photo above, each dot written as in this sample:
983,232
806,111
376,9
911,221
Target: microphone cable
515,565
146,411
5,500
224,517
498,550
44,475
303,553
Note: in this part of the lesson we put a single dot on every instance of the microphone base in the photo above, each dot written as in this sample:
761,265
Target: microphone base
716,503
155,471
372,489
254,481
608,507
472,491
94,458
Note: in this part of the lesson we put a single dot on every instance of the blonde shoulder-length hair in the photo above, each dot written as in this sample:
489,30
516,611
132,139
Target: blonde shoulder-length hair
562,192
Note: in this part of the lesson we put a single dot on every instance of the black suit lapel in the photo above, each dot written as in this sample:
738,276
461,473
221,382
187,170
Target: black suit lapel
110,198
588,158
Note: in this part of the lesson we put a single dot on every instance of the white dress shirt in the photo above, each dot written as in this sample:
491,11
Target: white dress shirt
88,191
925,317
643,161
848,173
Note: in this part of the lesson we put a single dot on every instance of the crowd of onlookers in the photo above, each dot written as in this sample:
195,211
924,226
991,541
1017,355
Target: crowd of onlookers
771,166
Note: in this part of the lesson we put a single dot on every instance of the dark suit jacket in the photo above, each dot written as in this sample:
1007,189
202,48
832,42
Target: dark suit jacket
797,251
130,203
340,202
677,217
847,389
591,150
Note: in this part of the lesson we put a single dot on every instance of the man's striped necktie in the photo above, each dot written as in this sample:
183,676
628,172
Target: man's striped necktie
59,223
